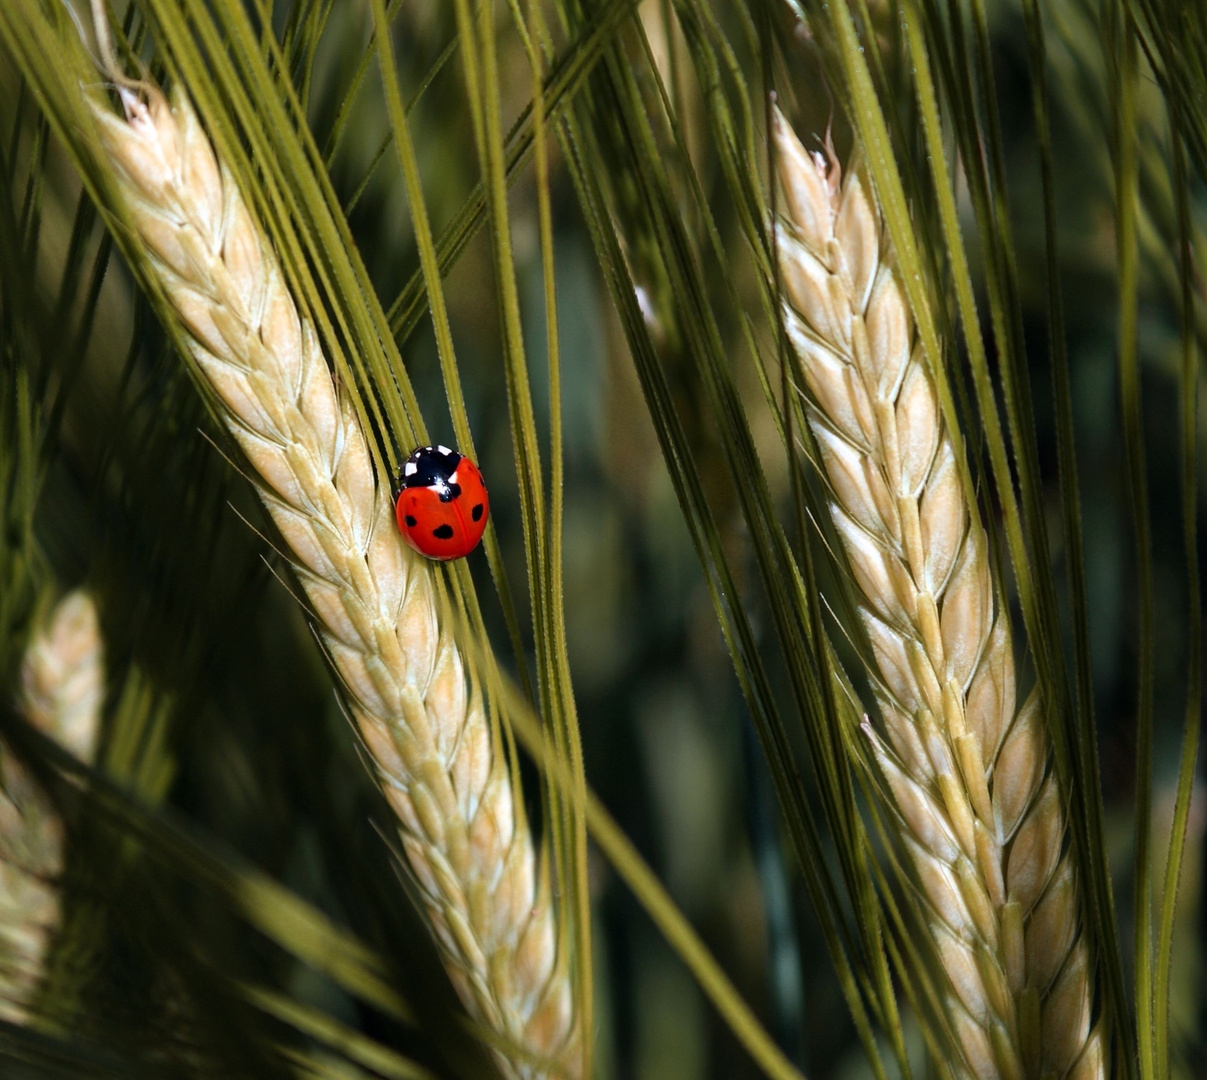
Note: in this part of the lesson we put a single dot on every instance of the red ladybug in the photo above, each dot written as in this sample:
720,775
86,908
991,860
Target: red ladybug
442,503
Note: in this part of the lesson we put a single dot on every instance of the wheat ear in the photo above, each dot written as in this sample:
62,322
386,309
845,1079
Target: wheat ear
978,804
374,602
62,688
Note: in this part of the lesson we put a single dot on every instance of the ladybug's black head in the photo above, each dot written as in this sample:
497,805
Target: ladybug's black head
432,466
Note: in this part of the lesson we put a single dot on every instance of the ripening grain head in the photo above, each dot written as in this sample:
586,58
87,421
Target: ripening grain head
62,690
422,721
969,772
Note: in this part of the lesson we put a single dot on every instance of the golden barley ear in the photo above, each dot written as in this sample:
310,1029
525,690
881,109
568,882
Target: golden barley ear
62,690
374,601
972,788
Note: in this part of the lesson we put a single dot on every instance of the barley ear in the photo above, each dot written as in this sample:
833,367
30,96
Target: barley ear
970,777
374,601
62,689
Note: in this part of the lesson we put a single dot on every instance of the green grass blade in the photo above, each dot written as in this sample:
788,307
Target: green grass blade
331,1033
1090,786
435,295
564,714
657,903
351,90
1123,51
480,58
1187,395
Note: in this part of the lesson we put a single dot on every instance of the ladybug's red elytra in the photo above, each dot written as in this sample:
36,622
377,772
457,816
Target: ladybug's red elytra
442,503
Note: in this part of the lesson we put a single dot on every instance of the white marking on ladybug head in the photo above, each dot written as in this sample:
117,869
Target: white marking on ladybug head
445,451
410,469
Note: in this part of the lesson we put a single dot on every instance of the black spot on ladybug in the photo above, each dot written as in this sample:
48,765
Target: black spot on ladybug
411,521
477,512
444,532
449,492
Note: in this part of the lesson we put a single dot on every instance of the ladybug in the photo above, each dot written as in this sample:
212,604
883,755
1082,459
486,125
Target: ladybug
442,503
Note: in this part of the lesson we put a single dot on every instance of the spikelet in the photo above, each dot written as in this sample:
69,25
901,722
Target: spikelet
62,688
975,797
374,601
